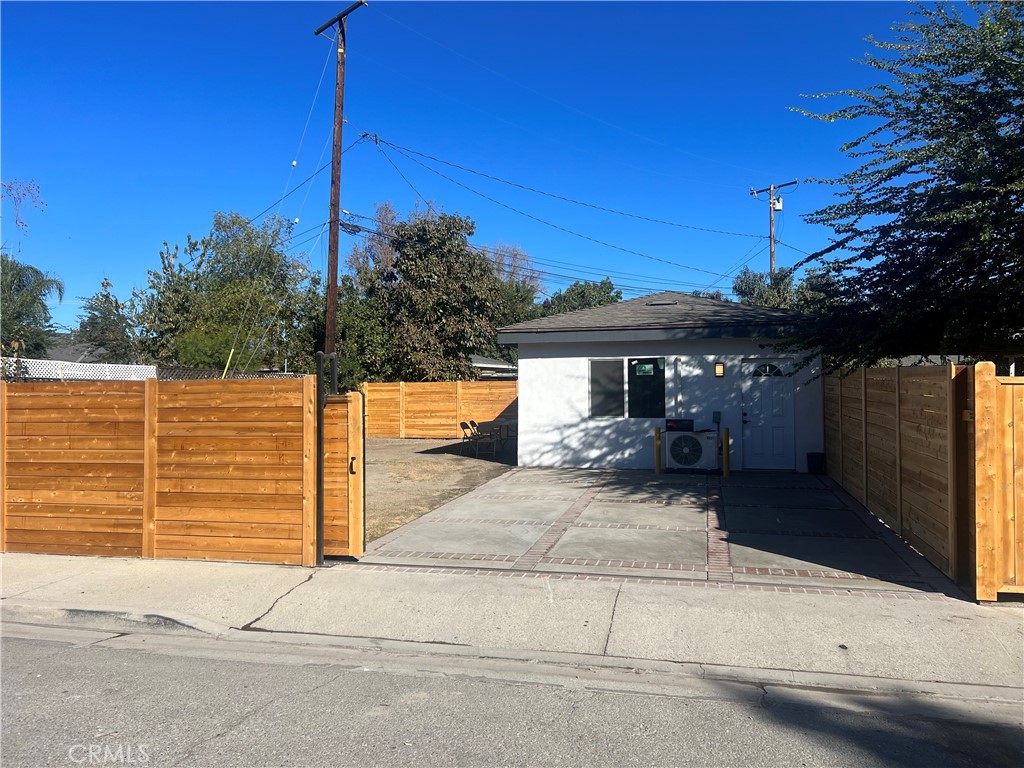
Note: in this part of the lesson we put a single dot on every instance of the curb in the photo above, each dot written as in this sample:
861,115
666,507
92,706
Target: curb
110,619
124,623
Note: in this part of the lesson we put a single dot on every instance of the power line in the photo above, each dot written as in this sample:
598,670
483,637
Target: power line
658,281
558,226
794,248
404,177
563,198
259,310
490,254
309,116
301,184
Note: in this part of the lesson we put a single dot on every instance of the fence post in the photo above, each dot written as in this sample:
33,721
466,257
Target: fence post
899,454
401,409
986,478
456,431
355,468
842,431
149,470
864,431
951,468
310,435
3,465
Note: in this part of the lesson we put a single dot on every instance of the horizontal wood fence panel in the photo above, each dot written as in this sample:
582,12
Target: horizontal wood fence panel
344,513
891,443
937,453
59,483
220,514
185,469
73,430
435,409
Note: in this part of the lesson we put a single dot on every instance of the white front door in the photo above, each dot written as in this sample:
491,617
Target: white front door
767,415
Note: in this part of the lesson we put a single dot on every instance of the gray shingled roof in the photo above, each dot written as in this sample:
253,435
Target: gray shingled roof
67,348
668,309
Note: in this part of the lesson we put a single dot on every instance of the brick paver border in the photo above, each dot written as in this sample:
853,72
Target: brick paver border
806,573
719,560
557,529
448,556
673,582
485,520
642,527
591,563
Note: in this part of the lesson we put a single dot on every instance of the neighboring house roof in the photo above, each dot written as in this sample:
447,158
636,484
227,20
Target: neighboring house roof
479,361
489,368
665,315
66,348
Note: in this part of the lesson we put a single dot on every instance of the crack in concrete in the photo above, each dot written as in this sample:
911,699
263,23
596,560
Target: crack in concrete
762,701
615,607
250,626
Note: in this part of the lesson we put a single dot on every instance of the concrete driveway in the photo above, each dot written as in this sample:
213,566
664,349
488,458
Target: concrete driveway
769,531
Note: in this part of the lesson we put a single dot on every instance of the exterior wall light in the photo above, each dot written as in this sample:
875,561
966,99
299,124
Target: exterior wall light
719,370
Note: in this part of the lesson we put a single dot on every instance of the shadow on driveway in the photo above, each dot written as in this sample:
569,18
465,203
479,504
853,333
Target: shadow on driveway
772,529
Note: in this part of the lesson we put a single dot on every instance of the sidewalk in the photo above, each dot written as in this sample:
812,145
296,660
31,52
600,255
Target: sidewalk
853,642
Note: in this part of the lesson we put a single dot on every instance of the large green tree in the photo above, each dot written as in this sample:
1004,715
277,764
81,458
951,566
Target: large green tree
109,326
394,261
582,295
25,321
438,300
928,252
765,289
240,288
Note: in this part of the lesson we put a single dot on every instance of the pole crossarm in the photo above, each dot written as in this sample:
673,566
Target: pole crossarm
327,24
771,189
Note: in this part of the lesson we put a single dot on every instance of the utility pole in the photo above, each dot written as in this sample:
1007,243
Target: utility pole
774,204
335,212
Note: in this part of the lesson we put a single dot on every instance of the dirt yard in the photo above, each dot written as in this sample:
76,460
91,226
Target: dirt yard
407,478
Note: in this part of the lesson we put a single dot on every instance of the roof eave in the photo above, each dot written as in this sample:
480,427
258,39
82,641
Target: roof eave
774,331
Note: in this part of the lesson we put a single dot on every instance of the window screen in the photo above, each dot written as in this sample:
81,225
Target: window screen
606,389
646,387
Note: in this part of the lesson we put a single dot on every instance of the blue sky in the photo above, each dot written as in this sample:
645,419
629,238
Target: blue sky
140,120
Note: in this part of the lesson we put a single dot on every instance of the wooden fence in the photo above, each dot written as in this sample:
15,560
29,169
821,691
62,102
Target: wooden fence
343,475
220,470
996,435
434,409
936,453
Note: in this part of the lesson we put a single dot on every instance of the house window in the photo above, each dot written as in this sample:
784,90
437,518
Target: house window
606,389
767,369
637,392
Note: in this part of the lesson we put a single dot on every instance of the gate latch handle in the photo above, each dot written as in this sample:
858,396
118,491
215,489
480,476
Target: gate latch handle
352,465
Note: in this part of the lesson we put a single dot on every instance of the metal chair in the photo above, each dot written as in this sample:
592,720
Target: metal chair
468,436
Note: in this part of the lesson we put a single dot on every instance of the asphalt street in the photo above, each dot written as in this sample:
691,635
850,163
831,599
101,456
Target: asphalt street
70,696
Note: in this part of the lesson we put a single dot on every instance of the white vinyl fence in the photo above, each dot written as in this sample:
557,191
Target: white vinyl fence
13,369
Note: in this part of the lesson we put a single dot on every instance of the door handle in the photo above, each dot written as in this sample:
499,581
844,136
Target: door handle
352,465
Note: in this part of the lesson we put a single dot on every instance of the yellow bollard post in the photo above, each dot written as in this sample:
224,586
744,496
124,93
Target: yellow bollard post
657,450
725,451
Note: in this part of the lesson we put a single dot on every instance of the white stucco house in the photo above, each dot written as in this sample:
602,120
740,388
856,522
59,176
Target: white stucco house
594,384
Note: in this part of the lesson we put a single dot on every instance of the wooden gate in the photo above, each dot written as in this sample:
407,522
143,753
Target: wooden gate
344,488
998,435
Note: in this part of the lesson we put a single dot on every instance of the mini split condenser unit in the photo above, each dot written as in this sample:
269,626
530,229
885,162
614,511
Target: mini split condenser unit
691,450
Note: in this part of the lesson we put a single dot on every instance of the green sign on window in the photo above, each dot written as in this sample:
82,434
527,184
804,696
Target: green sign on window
645,369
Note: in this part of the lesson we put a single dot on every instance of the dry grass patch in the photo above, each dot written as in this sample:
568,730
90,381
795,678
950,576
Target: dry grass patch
405,479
